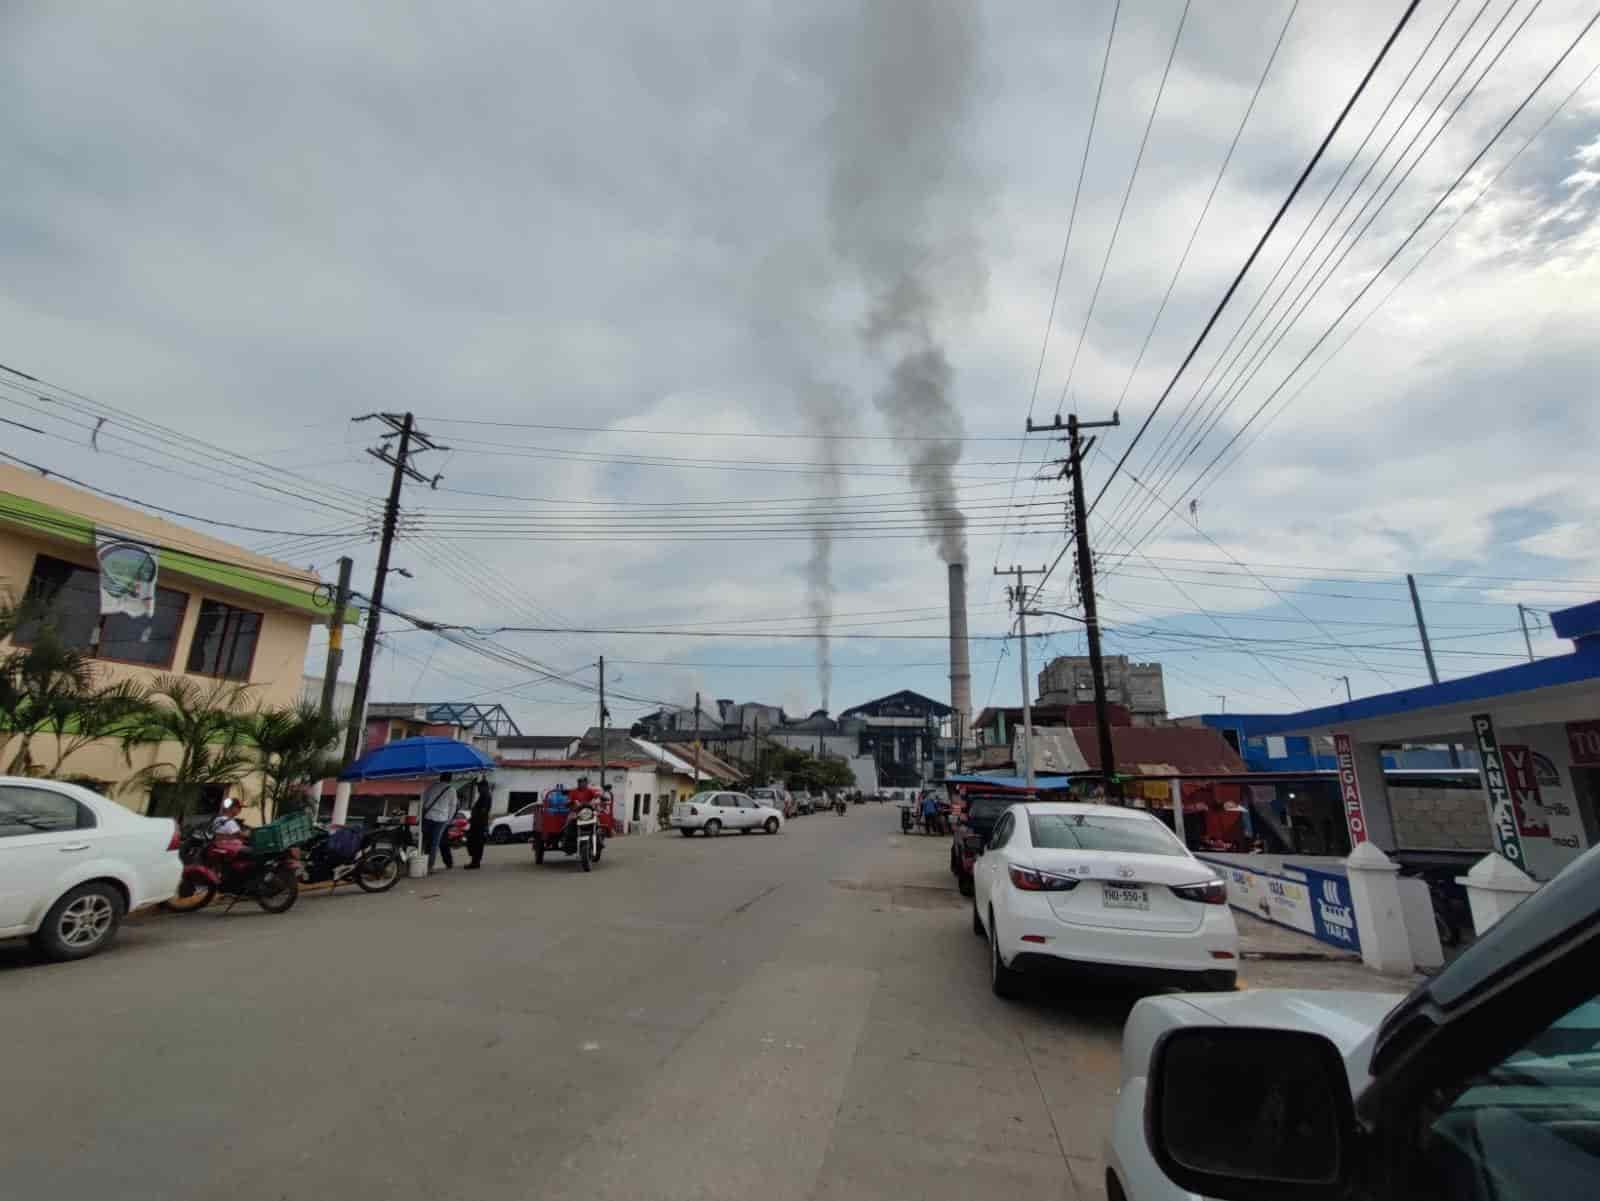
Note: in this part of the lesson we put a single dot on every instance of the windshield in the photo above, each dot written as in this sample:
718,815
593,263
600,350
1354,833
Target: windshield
704,798
1101,832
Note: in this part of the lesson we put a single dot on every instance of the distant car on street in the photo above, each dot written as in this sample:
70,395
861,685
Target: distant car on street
714,812
780,799
1066,888
73,862
803,803
513,827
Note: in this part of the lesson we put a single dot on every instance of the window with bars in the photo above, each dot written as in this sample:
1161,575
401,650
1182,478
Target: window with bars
224,641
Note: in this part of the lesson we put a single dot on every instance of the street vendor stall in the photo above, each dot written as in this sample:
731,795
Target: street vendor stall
418,759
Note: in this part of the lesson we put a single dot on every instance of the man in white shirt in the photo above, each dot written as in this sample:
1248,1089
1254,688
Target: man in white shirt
438,807
226,823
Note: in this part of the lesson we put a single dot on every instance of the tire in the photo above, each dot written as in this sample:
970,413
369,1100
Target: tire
713,828
190,898
82,922
772,825
964,885
500,835
378,872
538,848
599,849
1007,984
955,865
583,853
977,922
280,890
686,832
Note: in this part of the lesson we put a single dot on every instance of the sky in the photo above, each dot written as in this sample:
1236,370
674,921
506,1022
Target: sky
680,286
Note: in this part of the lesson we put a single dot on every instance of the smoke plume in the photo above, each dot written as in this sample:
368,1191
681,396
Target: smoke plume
903,207
826,409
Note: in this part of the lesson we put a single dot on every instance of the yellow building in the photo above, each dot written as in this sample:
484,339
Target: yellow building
220,612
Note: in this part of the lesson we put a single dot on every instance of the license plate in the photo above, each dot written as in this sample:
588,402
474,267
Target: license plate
1114,897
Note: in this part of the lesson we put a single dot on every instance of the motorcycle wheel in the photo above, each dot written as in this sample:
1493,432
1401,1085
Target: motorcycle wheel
538,848
583,853
599,846
378,872
190,898
279,890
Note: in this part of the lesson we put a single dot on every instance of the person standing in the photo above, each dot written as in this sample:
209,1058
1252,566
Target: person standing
478,823
438,807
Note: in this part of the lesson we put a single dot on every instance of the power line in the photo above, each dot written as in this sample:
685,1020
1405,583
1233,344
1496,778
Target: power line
1316,158
701,434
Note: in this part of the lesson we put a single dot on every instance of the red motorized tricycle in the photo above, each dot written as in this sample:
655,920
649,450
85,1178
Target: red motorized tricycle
575,823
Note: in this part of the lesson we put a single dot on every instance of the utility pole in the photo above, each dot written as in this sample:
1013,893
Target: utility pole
411,440
1522,616
1019,596
697,742
1224,701
603,716
1077,448
341,602
1422,628
1346,680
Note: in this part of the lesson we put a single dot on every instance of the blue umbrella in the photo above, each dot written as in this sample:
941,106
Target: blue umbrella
410,758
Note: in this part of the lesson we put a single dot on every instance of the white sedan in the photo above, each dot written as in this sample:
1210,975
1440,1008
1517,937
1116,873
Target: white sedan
1064,888
73,862
714,812
515,826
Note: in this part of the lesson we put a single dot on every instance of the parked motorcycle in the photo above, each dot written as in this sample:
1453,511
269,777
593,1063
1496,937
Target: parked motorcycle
339,856
225,864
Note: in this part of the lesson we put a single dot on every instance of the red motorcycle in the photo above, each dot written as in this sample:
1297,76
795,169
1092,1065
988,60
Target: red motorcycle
226,864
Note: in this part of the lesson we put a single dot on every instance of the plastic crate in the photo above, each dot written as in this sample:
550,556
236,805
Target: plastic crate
288,831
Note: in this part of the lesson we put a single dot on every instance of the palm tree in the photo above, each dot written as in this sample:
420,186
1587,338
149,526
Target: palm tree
41,686
209,725
294,743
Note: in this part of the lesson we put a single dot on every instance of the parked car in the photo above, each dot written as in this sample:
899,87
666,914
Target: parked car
513,827
972,820
714,812
1481,1084
72,863
1064,888
780,799
803,803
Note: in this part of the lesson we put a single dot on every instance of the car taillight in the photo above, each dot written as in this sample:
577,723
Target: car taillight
1028,880
1211,892
176,841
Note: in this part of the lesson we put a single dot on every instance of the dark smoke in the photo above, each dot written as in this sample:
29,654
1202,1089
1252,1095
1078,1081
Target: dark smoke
904,204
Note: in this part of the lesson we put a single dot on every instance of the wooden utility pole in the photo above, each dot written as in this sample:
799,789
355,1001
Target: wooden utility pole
603,716
341,602
1346,680
1422,627
1018,594
1077,448
697,742
410,441
1527,640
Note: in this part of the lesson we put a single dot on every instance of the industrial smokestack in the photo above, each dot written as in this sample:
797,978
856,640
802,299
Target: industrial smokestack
960,663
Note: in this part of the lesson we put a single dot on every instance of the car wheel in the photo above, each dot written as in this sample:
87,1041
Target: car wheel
772,825
686,832
977,922
964,886
500,836
80,923
713,828
1007,984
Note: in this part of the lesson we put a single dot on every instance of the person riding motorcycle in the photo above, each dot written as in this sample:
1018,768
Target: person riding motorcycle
227,824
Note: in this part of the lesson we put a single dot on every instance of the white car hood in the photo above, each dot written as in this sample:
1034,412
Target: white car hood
1345,1017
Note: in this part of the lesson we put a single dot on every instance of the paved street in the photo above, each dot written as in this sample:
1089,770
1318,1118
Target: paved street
805,1016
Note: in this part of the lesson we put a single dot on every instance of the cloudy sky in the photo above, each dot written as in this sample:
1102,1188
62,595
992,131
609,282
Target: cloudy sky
681,285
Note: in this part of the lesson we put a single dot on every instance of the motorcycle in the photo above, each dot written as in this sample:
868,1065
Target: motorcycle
338,856
580,830
839,807
224,864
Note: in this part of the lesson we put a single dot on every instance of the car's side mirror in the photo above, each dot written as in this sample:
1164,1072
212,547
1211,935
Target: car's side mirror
1243,1114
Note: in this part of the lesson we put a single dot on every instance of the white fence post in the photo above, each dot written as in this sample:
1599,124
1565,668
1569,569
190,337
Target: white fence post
1380,916
1495,886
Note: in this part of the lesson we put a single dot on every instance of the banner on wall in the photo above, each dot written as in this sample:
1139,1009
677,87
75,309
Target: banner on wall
1502,810
128,571
1525,770
1332,910
1350,790
1583,741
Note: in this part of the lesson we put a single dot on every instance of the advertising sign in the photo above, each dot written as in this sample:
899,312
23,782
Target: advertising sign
1523,767
1332,909
1350,790
1583,742
127,576
1502,812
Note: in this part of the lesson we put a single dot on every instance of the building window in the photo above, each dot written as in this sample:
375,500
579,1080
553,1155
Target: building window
638,800
224,641
647,804
70,596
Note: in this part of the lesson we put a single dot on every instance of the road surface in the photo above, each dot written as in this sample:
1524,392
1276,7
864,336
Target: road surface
805,1016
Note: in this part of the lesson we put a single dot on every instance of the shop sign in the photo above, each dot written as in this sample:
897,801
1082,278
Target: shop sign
1350,789
1332,909
1502,810
1583,743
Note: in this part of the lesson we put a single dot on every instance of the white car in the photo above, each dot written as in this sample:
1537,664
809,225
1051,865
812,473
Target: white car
513,827
714,812
1481,1085
1064,888
73,862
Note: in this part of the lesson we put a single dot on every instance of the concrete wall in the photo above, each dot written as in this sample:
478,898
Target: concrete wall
1437,819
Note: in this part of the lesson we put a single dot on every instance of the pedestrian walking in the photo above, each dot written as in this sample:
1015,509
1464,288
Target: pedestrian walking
438,807
478,823
930,814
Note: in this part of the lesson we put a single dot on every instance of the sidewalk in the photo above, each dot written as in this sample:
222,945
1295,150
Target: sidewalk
1277,957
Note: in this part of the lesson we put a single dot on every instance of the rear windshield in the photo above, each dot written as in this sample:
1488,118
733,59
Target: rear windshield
987,808
1096,832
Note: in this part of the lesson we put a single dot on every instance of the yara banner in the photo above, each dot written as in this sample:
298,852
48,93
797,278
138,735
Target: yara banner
127,576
